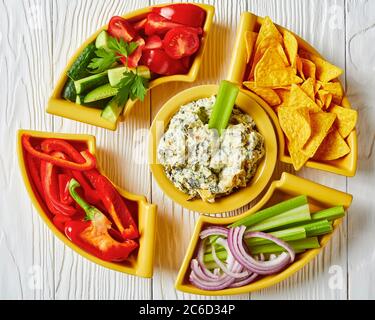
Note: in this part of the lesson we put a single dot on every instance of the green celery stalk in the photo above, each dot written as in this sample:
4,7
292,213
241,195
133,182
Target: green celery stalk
212,265
297,245
318,228
296,215
223,107
290,234
329,214
270,212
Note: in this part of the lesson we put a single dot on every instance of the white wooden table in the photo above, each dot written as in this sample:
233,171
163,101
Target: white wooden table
36,39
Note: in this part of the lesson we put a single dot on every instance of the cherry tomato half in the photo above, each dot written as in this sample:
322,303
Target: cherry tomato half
153,42
159,62
139,25
157,24
120,28
134,58
181,42
184,13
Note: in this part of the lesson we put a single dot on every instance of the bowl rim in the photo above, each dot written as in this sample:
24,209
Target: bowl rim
61,107
287,184
149,210
236,199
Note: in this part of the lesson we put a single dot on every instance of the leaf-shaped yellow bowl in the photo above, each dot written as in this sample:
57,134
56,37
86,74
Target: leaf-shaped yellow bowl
238,198
320,197
61,107
347,165
139,263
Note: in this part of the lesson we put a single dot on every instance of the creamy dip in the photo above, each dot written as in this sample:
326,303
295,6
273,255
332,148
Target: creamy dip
203,164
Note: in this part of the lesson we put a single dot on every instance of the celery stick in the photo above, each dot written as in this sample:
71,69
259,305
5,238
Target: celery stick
290,234
318,228
329,214
212,265
223,107
308,243
270,212
297,245
299,214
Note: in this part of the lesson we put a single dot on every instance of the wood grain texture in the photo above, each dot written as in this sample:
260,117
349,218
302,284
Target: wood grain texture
37,37
360,83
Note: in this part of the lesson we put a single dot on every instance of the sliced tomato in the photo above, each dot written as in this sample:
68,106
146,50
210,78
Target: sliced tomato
139,25
181,42
134,58
184,13
120,28
157,24
186,62
153,42
159,62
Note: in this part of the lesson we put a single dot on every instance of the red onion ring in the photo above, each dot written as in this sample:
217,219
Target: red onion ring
236,246
214,231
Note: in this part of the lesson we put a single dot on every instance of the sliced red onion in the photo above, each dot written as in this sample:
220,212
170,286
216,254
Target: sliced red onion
236,246
214,231
244,282
223,267
200,259
279,242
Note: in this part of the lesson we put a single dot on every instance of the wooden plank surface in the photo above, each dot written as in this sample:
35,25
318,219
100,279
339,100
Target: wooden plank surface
36,39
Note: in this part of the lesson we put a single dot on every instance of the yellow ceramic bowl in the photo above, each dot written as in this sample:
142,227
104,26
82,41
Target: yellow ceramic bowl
347,165
236,199
61,107
320,197
140,264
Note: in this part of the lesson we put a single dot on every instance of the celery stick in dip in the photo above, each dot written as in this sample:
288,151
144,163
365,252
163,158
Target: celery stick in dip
202,163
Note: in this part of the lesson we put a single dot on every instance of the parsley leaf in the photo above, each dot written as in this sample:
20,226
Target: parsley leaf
131,86
106,57
104,60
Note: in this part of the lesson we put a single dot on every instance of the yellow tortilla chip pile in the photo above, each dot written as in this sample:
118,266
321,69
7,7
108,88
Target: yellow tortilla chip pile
304,91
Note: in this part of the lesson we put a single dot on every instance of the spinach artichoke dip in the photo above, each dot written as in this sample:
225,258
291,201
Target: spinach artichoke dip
203,164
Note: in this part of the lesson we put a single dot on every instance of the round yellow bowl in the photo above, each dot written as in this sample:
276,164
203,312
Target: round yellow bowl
238,198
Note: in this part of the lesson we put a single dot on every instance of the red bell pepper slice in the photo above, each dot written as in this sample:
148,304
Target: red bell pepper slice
50,187
157,24
65,197
50,145
93,234
114,205
184,13
34,171
90,161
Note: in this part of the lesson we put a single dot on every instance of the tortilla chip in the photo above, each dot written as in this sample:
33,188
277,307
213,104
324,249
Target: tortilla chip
328,101
333,147
319,103
317,87
297,156
295,123
268,30
250,38
291,47
308,87
321,123
346,119
298,98
325,71
284,96
336,89
262,48
272,72
322,96
308,68
266,94
299,68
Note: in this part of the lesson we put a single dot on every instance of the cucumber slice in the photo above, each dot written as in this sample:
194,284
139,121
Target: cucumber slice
100,93
78,70
91,82
69,92
116,74
102,40
112,111
100,104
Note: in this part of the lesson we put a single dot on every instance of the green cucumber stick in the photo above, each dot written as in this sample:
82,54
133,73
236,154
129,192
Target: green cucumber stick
223,107
271,211
329,214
